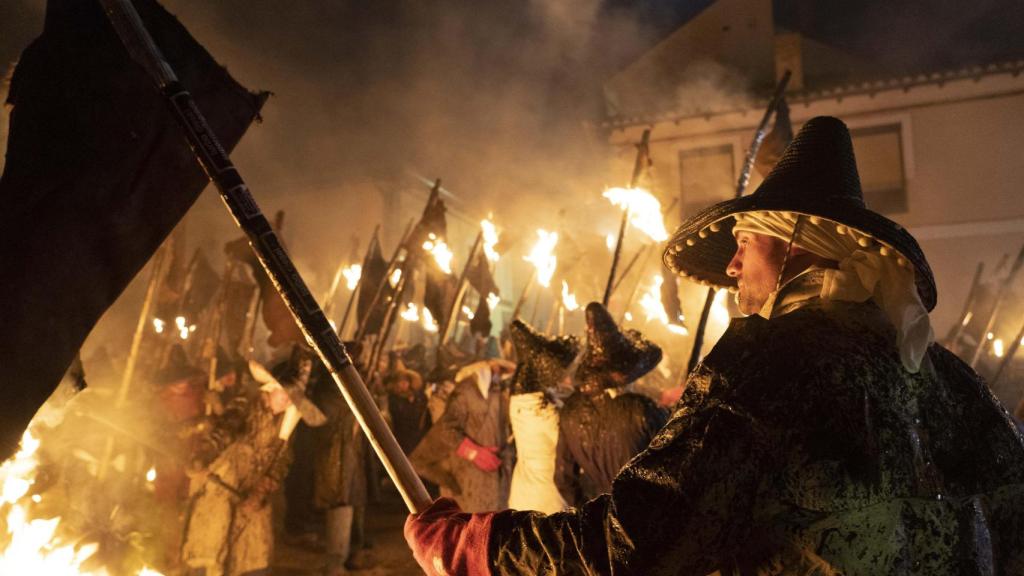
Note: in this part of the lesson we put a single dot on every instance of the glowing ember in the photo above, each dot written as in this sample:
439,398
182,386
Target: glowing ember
644,210
352,274
469,313
395,277
428,321
439,250
151,475
997,347
159,325
542,256
650,302
490,240
411,313
493,300
568,298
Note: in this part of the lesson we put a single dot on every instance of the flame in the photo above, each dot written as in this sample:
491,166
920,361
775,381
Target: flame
184,328
997,347
151,475
440,251
493,300
568,299
542,256
650,302
158,325
628,316
469,313
411,313
428,321
719,311
490,239
395,277
610,241
32,546
352,274
644,210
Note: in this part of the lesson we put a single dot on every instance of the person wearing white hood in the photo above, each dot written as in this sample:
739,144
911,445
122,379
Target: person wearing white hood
241,461
542,363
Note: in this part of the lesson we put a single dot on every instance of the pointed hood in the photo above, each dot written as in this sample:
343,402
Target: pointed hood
541,361
613,357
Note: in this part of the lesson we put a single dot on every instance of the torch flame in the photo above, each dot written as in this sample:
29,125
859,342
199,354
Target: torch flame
428,321
440,251
644,210
411,313
719,311
542,256
568,299
352,274
490,238
493,300
653,309
997,347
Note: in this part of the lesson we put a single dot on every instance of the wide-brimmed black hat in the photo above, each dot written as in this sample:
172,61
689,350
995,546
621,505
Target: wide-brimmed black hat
816,177
614,357
541,361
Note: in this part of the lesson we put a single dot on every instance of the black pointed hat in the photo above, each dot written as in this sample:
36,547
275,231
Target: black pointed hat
816,177
540,361
614,357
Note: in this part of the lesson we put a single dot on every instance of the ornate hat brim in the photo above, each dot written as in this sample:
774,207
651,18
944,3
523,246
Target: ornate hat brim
703,245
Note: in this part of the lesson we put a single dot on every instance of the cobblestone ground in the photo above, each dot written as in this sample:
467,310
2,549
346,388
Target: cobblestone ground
384,523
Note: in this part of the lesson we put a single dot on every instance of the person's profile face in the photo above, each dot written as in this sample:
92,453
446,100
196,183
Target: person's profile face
755,266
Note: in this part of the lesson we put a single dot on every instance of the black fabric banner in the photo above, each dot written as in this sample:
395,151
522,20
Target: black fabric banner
97,174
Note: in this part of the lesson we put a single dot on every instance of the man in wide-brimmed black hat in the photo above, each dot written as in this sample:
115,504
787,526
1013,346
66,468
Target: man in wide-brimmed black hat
602,425
823,434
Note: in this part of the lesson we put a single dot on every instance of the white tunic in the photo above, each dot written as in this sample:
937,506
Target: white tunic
535,428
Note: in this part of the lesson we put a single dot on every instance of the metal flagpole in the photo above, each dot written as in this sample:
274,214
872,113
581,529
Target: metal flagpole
268,249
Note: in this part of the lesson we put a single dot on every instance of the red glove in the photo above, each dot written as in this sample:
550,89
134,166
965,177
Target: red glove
483,457
446,541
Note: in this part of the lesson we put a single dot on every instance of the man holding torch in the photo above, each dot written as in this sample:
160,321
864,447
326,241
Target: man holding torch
825,433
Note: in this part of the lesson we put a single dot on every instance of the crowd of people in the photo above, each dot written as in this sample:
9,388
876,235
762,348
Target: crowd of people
545,429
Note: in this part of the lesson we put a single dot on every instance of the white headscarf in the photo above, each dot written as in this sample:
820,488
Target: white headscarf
867,270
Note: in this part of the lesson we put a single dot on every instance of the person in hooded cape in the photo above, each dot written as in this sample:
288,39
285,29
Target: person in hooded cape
825,433
467,451
238,465
603,426
542,363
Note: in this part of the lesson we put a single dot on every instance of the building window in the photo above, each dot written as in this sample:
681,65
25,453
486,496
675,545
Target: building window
879,151
706,177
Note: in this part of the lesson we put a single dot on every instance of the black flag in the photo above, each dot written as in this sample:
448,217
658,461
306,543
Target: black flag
481,279
373,280
98,172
